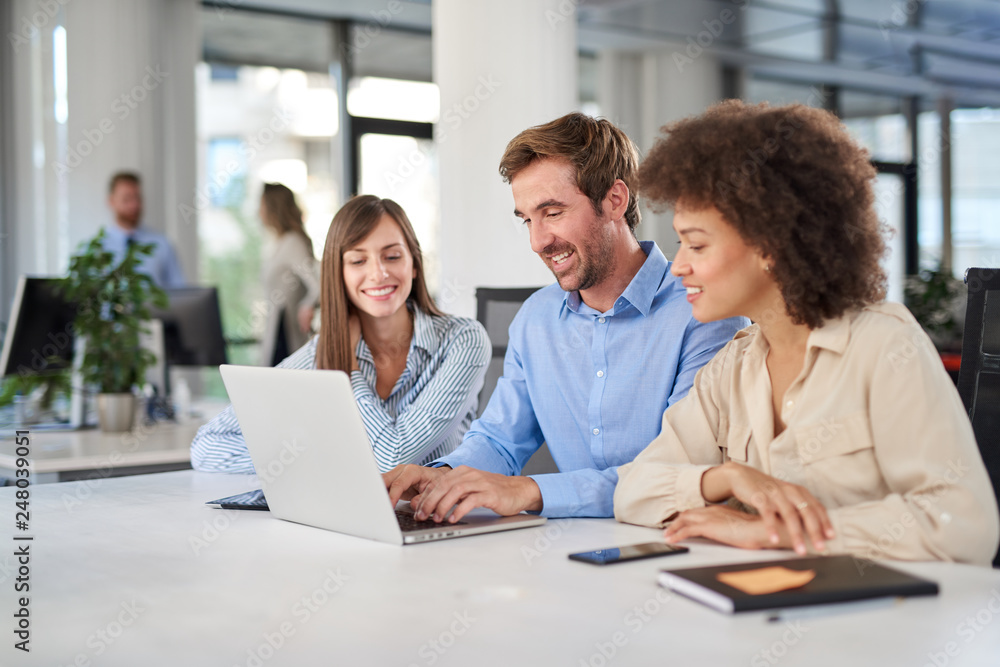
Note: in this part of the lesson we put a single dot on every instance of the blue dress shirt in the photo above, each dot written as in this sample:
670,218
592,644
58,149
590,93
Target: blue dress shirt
162,266
592,385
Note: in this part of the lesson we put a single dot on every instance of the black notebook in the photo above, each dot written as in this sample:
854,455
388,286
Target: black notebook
837,579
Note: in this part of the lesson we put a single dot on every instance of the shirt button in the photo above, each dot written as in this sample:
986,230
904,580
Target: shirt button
601,320
600,374
597,431
945,517
789,404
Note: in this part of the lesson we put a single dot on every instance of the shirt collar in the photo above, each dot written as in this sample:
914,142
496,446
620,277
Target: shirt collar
832,335
424,334
642,289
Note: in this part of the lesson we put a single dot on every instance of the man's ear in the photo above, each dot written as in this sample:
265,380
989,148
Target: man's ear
617,198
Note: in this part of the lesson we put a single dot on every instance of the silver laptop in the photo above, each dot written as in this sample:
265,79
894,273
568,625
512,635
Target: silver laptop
315,462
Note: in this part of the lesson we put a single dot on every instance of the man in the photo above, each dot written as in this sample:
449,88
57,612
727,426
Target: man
125,201
592,361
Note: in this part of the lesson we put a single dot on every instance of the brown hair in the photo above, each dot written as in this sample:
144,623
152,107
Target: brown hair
283,213
793,184
599,152
352,223
123,177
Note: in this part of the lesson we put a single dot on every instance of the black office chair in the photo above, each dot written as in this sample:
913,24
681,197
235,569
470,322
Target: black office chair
979,377
495,309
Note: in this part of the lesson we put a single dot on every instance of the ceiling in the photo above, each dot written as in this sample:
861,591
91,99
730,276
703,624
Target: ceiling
928,48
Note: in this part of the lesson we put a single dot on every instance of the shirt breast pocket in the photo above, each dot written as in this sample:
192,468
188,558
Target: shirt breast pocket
737,442
838,458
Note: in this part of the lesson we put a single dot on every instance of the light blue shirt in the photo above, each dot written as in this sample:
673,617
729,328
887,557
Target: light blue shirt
162,266
592,385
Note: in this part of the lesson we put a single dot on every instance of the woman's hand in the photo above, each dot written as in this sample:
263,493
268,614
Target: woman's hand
726,525
781,505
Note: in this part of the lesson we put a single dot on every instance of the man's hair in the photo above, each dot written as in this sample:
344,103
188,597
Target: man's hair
795,185
599,152
123,177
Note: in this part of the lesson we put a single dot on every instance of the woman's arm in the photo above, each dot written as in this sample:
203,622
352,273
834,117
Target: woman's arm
941,504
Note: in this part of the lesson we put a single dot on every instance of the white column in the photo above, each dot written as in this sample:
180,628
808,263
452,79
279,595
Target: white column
129,104
642,92
501,67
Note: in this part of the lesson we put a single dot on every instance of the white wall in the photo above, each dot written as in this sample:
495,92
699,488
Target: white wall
643,91
130,105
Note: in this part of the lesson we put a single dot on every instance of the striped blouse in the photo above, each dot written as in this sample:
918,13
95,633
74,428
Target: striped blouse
425,416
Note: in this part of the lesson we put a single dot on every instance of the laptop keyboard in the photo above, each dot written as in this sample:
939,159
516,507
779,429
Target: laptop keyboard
408,523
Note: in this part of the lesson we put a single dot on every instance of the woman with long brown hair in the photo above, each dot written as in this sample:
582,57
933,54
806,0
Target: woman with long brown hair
416,372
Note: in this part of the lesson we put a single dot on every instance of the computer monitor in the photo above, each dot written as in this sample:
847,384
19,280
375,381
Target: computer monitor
39,335
192,327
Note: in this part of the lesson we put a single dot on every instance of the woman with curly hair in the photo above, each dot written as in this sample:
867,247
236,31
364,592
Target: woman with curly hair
830,424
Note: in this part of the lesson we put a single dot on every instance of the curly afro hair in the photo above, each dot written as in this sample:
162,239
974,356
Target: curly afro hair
793,184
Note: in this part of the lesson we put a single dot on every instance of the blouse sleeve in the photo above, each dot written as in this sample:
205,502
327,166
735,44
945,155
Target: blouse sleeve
941,504
665,479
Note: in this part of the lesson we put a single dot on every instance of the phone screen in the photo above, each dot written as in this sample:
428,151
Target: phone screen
630,552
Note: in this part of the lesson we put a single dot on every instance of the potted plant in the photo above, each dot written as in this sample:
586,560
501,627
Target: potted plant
937,300
113,302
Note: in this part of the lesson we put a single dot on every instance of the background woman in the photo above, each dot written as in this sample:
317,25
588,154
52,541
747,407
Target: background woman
416,372
829,424
289,276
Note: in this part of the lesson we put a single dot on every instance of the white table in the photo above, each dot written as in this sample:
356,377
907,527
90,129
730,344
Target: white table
137,571
59,456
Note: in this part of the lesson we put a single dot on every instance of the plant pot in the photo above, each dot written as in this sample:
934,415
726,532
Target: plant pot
115,412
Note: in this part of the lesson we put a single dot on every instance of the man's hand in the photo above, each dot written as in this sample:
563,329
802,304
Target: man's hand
782,506
405,481
726,525
466,488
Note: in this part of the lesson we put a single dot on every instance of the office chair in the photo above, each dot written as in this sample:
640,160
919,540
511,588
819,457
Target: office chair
495,310
979,377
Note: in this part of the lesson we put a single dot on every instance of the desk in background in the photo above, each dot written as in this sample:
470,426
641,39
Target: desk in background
137,571
62,456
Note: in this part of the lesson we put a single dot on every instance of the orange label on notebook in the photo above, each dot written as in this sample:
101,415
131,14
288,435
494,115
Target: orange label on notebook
766,579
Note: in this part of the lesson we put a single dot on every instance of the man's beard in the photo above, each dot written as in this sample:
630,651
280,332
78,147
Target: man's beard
593,264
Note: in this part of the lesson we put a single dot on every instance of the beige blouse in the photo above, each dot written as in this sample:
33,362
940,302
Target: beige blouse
875,430
289,273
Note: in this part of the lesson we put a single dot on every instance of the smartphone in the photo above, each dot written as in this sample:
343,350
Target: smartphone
630,552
